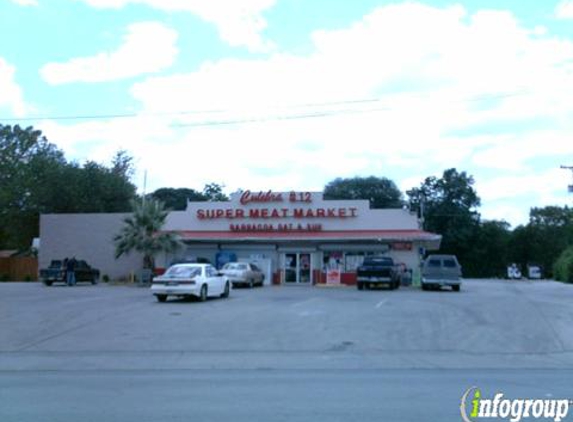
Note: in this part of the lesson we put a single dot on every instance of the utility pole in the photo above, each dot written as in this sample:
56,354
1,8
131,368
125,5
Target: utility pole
144,187
570,187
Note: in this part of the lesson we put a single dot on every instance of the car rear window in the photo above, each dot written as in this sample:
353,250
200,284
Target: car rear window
235,266
434,263
181,271
449,263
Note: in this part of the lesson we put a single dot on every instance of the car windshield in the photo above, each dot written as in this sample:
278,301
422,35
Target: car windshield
183,271
235,266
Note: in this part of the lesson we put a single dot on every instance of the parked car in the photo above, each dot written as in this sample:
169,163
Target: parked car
243,274
56,272
441,270
376,271
191,280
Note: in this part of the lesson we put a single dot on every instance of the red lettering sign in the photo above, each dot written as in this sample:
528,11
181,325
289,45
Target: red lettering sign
275,213
275,228
247,197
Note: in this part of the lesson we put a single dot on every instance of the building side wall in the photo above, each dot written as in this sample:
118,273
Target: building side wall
88,237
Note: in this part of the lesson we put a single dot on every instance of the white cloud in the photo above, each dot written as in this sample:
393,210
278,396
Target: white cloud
549,186
521,152
11,94
148,47
239,23
436,74
26,2
564,10
531,188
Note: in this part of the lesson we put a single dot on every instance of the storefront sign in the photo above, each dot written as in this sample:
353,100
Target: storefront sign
275,227
266,213
402,246
269,211
270,196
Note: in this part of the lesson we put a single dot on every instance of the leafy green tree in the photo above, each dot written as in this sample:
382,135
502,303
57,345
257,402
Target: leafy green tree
490,251
25,157
448,206
563,268
380,191
214,192
548,233
35,178
176,198
141,233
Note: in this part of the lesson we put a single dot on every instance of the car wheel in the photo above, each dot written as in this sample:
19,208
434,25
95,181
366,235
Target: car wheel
456,288
94,280
397,284
360,286
161,298
47,283
227,290
203,294
424,287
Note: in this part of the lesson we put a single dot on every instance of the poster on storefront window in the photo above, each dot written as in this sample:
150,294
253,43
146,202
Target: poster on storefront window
334,267
333,277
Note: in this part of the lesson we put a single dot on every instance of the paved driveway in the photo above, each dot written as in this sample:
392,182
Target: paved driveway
290,345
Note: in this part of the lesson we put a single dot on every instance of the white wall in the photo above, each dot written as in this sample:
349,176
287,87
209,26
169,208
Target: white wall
88,237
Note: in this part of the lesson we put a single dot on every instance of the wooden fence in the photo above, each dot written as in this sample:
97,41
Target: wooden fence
18,269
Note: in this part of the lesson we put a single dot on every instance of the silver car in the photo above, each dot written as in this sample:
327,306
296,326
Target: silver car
243,274
441,270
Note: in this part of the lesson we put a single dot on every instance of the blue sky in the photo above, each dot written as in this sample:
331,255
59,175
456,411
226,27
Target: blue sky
289,94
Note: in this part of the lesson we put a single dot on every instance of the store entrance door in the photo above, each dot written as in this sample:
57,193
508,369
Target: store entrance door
297,268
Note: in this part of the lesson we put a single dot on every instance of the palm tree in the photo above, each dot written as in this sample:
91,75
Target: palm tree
141,233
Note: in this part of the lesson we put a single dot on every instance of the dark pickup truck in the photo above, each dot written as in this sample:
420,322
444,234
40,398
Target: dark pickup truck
56,273
377,270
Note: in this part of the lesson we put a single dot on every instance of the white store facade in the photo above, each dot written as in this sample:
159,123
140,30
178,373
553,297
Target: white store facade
295,237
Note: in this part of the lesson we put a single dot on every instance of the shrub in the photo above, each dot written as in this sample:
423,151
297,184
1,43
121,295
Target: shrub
105,278
563,268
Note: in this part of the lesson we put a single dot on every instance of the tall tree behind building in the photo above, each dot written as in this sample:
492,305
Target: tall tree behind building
175,199
449,206
380,191
547,234
35,178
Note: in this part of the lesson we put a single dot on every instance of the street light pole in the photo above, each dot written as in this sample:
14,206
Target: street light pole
570,187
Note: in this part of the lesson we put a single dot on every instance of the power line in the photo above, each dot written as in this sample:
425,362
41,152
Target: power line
325,113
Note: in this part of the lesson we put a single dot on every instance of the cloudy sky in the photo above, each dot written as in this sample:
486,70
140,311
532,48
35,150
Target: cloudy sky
289,94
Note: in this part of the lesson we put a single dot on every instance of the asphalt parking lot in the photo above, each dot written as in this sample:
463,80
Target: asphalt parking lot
284,338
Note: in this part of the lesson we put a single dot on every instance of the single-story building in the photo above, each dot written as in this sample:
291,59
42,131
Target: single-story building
295,237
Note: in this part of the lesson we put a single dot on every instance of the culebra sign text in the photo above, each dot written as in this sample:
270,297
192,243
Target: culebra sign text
296,213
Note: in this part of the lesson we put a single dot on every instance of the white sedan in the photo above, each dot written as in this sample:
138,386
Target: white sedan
197,280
